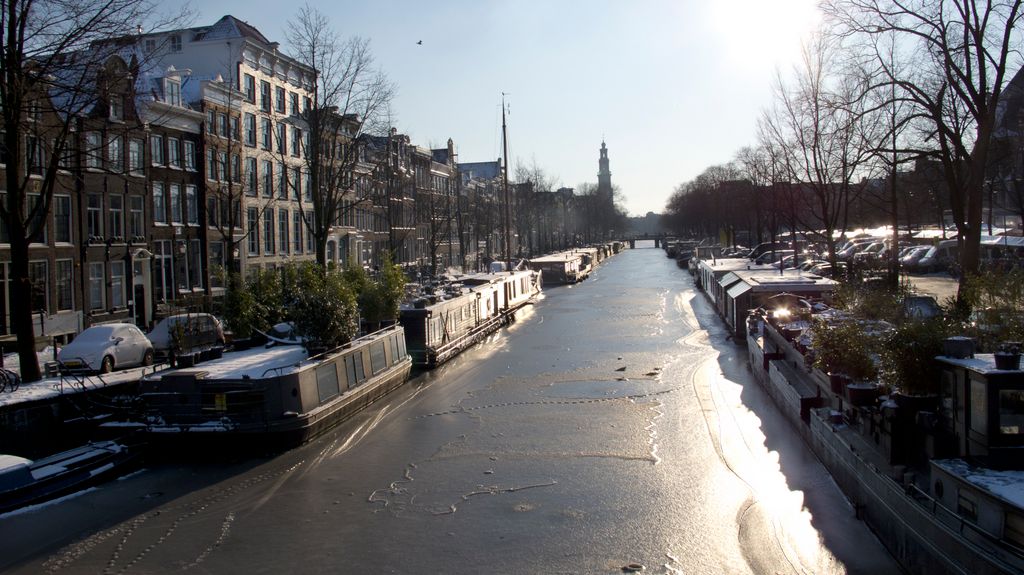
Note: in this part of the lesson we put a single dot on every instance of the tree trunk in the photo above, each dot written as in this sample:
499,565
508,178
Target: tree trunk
21,308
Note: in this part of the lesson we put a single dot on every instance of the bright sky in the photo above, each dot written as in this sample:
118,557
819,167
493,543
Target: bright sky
672,86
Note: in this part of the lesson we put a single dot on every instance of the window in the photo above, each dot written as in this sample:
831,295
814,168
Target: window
306,103
116,108
297,232
264,95
222,167
211,164
65,285
195,265
282,230
282,181
175,43
136,216
190,156
236,168
296,186
172,93
116,216
174,152
307,189
136,153
192,205
250,129
211,122
156,144
279,100
115,154
252,177
94,215
66,160
294,98
222,125
282,139
211,212
1011,411
268,233
296,138
249,87
252,226
62,219
150,45
96,285
309,237
268,178
35,158
235,131
268,134
40,280
175,203
159,203
117,283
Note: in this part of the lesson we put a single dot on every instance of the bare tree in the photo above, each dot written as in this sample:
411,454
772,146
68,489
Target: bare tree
951,63
824,135
53,53
351,98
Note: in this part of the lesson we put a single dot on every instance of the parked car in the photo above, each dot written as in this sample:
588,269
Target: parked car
186,333
909,260
104,348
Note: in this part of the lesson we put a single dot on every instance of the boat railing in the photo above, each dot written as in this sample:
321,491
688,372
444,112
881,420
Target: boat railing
359,340
965,528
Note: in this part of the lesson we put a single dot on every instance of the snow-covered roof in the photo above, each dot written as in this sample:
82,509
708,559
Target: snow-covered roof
1007,485
252,363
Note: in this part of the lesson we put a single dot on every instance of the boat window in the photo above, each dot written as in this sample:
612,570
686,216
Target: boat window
360,373
350,371
378,361
327,381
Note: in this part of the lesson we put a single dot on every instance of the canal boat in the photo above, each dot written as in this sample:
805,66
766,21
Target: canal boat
25,482
456,315
277,393
559,268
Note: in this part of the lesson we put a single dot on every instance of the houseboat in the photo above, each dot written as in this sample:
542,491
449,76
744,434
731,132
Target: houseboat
560,268
278,393
441,324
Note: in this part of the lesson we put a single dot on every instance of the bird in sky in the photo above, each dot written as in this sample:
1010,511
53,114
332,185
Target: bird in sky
419,43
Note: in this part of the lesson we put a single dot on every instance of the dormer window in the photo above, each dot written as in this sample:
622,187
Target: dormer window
172,92
175,43
116,109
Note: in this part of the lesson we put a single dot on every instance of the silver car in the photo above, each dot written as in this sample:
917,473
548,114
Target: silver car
107,347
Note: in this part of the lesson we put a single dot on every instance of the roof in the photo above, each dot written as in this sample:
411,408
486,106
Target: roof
230,27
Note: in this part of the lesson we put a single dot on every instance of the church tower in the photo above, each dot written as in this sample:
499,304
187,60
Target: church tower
604,176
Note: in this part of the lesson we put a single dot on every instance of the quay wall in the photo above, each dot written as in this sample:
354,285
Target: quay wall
910,530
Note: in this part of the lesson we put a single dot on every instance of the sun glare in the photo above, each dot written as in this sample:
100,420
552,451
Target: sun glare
758,33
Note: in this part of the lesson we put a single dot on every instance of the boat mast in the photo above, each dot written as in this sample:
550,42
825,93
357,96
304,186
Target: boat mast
504,174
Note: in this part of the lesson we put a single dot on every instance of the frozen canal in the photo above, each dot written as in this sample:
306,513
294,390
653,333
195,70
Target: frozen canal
613,424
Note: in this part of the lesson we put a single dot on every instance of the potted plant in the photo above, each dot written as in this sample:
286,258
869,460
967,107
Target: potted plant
908,362
844,351
1008,356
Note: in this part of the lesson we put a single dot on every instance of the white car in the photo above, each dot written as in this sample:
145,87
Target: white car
107,347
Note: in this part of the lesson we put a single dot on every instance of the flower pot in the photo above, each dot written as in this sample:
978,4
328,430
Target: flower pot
837,382
862,394
1007,361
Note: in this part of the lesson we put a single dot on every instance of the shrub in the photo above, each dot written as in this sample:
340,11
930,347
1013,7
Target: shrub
908,355
323,308
845,347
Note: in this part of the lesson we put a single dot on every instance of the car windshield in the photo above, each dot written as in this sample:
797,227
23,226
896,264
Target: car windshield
96,334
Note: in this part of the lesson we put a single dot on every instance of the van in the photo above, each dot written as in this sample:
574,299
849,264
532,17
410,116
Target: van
186,334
